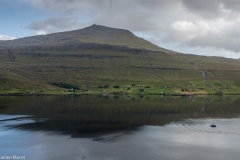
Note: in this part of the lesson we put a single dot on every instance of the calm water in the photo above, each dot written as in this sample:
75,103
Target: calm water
97,127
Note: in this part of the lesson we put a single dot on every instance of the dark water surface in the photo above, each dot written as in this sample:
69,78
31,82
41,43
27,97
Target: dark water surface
98,127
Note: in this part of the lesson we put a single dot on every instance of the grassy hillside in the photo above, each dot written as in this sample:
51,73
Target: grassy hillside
99,59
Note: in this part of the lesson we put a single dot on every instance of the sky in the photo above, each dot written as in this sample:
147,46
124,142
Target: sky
202,27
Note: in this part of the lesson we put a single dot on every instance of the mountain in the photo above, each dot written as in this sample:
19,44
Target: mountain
94,34
98,58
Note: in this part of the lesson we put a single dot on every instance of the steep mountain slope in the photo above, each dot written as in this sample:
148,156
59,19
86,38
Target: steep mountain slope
96,57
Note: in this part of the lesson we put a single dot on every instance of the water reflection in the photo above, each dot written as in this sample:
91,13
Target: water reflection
81,116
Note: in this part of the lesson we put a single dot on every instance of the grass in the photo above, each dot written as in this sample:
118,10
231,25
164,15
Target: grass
89,69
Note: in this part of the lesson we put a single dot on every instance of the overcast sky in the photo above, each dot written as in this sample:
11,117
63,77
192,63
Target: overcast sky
204,27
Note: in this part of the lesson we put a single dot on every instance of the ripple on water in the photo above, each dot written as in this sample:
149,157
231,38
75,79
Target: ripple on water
224,126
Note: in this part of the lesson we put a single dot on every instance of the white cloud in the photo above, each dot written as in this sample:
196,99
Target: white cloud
189,30
40,32
6,37
220,35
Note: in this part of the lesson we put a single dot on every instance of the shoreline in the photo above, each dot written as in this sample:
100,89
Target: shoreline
111,94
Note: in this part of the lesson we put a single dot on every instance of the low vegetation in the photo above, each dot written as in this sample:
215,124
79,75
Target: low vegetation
65,85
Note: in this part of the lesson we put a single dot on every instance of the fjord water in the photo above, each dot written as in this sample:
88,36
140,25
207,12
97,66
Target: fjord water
101,127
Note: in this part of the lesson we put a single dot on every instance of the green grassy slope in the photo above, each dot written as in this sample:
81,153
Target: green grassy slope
90,69
222,73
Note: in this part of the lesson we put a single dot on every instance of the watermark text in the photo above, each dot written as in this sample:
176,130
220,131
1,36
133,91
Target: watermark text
6,157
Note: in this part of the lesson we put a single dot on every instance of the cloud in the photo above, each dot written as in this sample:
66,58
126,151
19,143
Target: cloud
212,9
189,23
218,34
204,8
66,5
118,14
186,31
52,25
6,37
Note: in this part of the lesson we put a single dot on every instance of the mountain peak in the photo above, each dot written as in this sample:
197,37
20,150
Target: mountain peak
100,28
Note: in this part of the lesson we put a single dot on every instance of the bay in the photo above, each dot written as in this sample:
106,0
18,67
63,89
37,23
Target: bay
124,127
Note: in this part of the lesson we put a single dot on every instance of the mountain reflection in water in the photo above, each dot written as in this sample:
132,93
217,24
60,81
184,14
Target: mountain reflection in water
81,116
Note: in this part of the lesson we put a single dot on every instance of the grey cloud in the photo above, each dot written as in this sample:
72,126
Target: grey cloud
52,24
65,5
232,4
140,15
206,8
210,9
131,15
136,20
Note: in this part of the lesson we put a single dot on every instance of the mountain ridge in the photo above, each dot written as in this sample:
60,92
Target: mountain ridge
95,34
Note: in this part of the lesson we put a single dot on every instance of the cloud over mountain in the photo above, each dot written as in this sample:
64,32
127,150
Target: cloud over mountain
52,24
188,23
6,37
